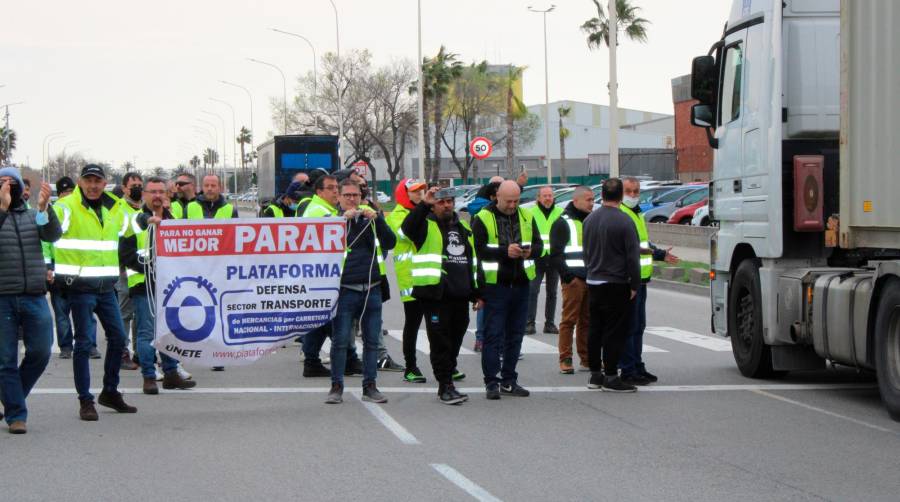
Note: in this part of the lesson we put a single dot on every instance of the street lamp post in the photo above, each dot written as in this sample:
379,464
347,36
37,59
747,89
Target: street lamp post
224,145
67,145
613,30
337,30
45,169
6,132
284,89
315,60
215,138
420,90
546,93
233,139
49,156
249,97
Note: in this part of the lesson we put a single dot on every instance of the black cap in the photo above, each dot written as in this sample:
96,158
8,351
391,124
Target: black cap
93,170
64,184
295,190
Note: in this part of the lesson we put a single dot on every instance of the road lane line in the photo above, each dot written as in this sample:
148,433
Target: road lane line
702,341
464,483
422,344
387,421
823,411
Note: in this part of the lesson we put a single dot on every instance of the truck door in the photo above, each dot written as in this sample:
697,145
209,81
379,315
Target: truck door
728,185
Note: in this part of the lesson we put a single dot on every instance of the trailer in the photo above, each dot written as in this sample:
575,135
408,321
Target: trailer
282,157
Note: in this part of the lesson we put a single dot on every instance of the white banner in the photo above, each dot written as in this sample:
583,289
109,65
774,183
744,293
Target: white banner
231,291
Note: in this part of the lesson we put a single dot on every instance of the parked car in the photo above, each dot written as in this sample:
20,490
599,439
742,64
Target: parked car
667,204
701,216
530,193
683,215
561,197
382,197
649,195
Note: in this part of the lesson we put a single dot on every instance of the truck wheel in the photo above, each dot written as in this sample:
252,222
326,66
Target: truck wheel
745,327
887,346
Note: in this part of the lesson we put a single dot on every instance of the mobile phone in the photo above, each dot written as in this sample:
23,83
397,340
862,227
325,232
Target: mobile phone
526,247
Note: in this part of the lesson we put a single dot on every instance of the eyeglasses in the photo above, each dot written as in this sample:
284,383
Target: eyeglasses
350,195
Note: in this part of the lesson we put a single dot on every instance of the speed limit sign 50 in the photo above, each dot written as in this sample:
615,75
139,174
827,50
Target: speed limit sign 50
481,148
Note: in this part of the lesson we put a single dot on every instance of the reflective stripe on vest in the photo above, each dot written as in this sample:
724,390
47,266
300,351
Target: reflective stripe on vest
428,261
491,268
87,247
574,251
544,224
135,278
403,253
644,241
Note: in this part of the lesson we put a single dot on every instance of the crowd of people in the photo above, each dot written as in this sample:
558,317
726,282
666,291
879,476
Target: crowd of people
90,249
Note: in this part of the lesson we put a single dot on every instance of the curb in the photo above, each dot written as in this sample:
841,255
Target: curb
680,287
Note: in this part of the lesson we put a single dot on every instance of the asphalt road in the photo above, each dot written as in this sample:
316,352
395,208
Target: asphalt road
702,433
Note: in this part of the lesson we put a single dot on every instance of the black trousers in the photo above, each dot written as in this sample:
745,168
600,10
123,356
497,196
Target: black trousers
611,313
446,323
412,311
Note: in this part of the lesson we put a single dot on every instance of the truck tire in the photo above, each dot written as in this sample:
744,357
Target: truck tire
887,346
745,326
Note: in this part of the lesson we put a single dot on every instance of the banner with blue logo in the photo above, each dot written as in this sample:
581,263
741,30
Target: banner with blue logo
231,291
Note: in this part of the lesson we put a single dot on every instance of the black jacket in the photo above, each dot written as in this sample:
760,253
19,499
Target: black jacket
559,238
611,248
512,270
128,253
210,207
359,267
415,228
21,255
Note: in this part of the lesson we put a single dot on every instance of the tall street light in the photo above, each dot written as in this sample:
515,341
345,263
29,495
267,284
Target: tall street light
45,169
6,133
215,130
613,30
420,90
249,97
337,31
224,136
315,60
233,139
49,145
284,89
546,93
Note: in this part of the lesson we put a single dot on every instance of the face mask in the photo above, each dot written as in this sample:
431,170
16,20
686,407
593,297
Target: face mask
15,194
631,202
294,206
134,193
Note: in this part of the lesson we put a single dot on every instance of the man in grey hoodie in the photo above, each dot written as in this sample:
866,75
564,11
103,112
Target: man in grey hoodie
23,292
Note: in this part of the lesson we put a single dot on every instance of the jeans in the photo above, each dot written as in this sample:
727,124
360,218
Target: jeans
479,326
106,307
611,308
62,312
353,304
146,327
31,312
504,327
446,322
129,319
543,270
631,362
313,341
412,311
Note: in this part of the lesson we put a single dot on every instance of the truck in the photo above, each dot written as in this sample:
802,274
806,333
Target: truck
800,100
282,157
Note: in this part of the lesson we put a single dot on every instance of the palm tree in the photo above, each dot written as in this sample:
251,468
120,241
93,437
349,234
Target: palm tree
210,157
4,154
515,110
245,138
439,73
564,112
597,28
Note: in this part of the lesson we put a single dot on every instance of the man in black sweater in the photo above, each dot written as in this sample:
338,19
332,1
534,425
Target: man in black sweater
612,260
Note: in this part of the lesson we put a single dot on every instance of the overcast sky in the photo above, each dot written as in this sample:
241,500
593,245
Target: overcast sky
128,80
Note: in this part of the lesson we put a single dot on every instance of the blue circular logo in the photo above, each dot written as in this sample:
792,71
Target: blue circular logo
190,308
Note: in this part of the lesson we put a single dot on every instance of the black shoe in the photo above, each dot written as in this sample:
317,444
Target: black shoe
458,375
314,369
649,376
596,381
388,364
615,384
514,389
530,329
353,367
492,392
336,394
65,353
550,329
636,379
413,375
449,395
114,400
95,354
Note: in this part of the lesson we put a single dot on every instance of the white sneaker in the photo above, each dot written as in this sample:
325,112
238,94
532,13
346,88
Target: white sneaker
159,375
183,373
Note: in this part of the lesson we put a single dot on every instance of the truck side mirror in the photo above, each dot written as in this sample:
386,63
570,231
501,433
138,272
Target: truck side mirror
702,116
704,79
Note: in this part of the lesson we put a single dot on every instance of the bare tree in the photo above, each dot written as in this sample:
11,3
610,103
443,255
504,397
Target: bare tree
393,114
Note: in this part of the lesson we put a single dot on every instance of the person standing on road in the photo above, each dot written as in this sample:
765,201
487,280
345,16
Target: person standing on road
545,213
22,294
286,205
444,279
631,364
505,240
62,311
485,195
612,260
135,253
567,257
87,266
133,189
364,288
186,184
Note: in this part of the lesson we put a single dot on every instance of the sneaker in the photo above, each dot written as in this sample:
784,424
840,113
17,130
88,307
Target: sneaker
615,384
87,412
596,381
530,329
492,392
18,427
159,375
550,329
371,394
449,395
514,389
414,375
173,380
95,354
636,379
353,367
649,376
114,400
336,394
127,363
458,375
150,386
388,364
65,353
314,369
565,366
478,346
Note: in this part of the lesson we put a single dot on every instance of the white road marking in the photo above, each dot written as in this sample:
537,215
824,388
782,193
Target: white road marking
531,345
387,421
464,483
422,344
823,411
703,341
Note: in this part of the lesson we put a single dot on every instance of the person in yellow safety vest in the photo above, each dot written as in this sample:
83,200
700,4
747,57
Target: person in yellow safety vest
62,311
87,268
186,186
409,193
136,253
545,213
211,204
133,190
445,280
363,290
567,257
286,205
634,372
506,239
